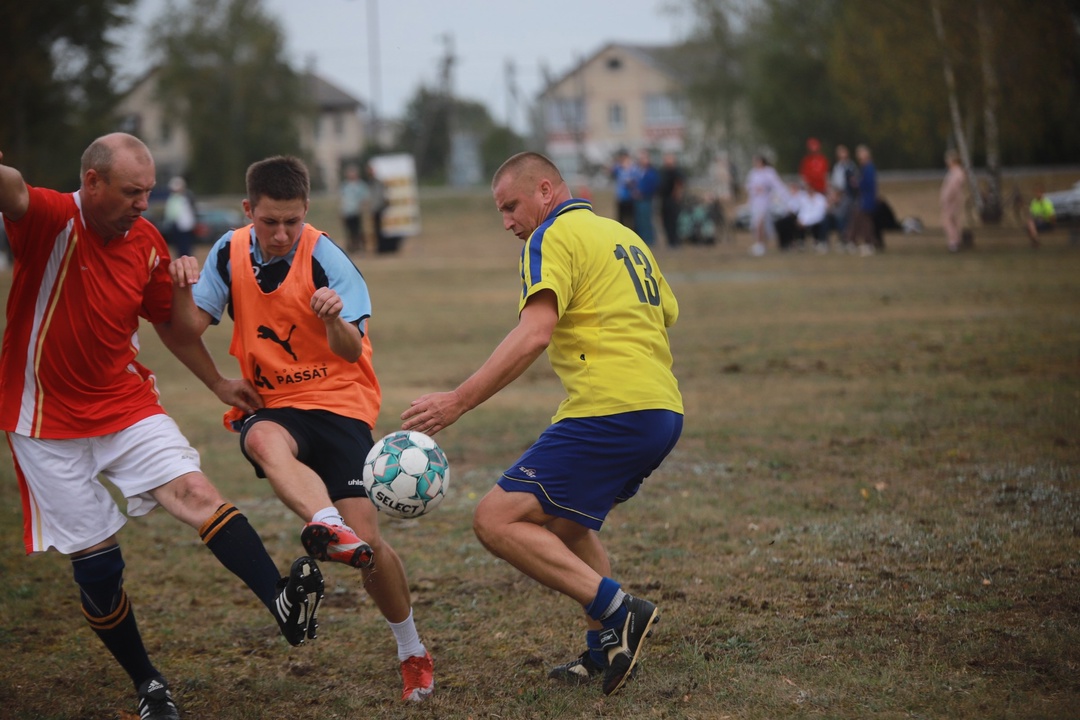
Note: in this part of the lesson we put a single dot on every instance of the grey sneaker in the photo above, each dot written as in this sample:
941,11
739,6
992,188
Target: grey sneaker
155,701
298,600
623,645
578,671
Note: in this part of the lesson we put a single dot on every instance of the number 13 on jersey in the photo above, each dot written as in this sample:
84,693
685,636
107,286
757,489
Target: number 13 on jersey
644,283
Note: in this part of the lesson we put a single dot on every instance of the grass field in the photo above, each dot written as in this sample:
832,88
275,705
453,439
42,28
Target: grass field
874,510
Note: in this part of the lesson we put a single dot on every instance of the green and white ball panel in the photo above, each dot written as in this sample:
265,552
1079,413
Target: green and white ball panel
406,474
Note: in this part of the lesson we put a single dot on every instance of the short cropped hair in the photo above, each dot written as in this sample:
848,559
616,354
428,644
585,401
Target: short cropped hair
100,154
530,165
280,177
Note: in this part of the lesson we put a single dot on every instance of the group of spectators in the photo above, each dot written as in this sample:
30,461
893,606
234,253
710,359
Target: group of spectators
640,186
841,199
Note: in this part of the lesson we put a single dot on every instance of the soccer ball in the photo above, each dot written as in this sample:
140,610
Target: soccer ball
406,474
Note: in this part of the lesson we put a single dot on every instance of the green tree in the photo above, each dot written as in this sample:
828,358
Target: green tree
425,132
56,83
224,77
789,90
426,129
716,84
497,146
1019,56
873,72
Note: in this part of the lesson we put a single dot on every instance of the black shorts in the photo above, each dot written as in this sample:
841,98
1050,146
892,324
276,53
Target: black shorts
332,445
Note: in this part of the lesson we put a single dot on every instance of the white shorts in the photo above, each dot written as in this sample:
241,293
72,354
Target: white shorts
65,505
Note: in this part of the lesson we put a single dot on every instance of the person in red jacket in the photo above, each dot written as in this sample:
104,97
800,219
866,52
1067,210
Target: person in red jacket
814,167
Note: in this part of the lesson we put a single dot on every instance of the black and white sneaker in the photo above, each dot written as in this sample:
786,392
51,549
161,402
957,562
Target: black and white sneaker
298,600
578,671
155,701
623,645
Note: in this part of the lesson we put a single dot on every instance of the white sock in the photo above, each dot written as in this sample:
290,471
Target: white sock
329,515
615,604
408,641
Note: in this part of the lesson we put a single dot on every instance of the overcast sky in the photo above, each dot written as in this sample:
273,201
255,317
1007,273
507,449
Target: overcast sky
486,34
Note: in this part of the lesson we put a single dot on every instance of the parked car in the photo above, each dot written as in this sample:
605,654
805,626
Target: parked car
211,223
1066,203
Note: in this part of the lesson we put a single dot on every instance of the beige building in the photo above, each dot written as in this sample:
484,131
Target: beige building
624,97
338,132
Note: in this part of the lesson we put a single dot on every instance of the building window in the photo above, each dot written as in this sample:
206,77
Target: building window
614,63
131,124
565,114
663,110
616,118
166,132
339,124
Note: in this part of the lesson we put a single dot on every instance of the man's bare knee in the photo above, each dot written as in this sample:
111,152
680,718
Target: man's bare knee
191,497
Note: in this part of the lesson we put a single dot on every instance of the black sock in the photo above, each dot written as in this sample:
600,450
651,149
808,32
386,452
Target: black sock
106,606
238,547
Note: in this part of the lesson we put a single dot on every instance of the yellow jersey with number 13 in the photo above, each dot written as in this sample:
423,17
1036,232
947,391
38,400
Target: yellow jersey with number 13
610,347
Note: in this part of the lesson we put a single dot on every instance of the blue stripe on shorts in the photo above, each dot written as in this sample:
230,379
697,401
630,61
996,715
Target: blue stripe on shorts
579,468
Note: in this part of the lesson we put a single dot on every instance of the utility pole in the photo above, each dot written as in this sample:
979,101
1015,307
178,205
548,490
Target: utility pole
446,80
373,69
444,101
511,93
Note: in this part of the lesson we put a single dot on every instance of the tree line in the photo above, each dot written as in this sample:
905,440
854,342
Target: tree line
997,79
910,78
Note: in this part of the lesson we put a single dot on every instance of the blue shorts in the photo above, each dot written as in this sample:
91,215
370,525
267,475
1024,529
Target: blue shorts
332,445
579,468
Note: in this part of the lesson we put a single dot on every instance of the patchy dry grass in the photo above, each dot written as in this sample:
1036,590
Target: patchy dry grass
874,510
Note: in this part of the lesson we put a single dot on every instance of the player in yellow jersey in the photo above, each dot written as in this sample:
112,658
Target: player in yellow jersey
593,296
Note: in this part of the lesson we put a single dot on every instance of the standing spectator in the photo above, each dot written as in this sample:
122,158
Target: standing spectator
862,229
670,189
843,193
309,437
952,200
646,181
1041,216
354,197
622,173
385,243
620,419
766,191
76,404
814,167
180,217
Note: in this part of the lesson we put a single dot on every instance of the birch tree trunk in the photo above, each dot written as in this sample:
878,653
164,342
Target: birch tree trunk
954,106
991,210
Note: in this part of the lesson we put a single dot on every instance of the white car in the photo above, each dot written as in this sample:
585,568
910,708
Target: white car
1066,203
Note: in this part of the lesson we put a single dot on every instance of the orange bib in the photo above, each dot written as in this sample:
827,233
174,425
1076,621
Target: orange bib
282,347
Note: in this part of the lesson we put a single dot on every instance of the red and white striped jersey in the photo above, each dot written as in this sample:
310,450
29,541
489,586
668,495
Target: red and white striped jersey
67,364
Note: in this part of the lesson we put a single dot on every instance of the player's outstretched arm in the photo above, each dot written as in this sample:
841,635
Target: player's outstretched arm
237,392
521,346
14,195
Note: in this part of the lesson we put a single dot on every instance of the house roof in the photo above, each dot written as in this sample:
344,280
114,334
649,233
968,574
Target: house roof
325,94
679,62
329,96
